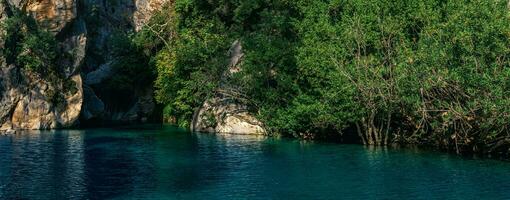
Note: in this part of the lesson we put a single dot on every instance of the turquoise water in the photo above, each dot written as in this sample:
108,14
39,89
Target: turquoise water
165,163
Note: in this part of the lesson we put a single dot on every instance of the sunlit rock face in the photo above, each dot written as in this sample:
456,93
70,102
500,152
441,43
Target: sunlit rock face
223,114
228,111
144,11
34,110
60,17
83,30
53,14
28,101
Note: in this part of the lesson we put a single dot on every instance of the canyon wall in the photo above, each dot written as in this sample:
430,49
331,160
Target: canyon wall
82,28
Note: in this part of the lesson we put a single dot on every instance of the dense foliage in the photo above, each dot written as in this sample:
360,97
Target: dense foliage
35,50
133,69
427,71
27,45
192,59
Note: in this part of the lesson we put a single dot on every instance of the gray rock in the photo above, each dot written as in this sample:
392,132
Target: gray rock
74,49
140,111
223,114
27,100
236,55
146,103
228,111
3,16
10,132
17,3
92,106
144,11
9,93
131,115
96,77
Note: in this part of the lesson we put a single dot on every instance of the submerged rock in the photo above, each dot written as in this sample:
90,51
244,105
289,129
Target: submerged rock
8,132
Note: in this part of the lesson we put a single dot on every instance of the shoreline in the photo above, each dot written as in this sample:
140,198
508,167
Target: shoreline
502,156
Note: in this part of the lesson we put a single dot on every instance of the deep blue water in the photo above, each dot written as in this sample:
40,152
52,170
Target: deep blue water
166,163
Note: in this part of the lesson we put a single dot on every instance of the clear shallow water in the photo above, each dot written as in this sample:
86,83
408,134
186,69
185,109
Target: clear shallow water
170,164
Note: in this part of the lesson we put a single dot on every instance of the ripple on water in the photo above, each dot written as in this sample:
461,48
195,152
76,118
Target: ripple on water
168,163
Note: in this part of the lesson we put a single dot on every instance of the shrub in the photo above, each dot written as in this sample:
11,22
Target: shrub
427,71
28,46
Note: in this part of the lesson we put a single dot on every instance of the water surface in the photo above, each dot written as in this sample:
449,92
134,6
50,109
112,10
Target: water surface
167,163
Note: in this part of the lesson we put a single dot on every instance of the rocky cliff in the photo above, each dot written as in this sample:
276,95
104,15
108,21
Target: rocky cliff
228,111
82,29
29,100
82,92
104,19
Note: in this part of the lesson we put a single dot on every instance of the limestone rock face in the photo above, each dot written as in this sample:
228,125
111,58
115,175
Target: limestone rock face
140,111
32,101
97,76
28,101
9,76
222,114
102,106
228,111
54,14
145,105
3,16
35,111
74,46
72,104
92,106
144,11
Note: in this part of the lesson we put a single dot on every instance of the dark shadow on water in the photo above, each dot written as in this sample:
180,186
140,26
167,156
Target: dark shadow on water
170,163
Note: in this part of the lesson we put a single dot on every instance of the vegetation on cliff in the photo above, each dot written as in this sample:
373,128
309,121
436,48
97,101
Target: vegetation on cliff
27,45
30,47
421,72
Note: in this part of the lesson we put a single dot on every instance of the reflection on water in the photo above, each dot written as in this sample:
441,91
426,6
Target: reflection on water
33,163
166,163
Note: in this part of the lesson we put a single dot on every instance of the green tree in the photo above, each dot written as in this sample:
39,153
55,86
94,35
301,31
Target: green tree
422,72
27,45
